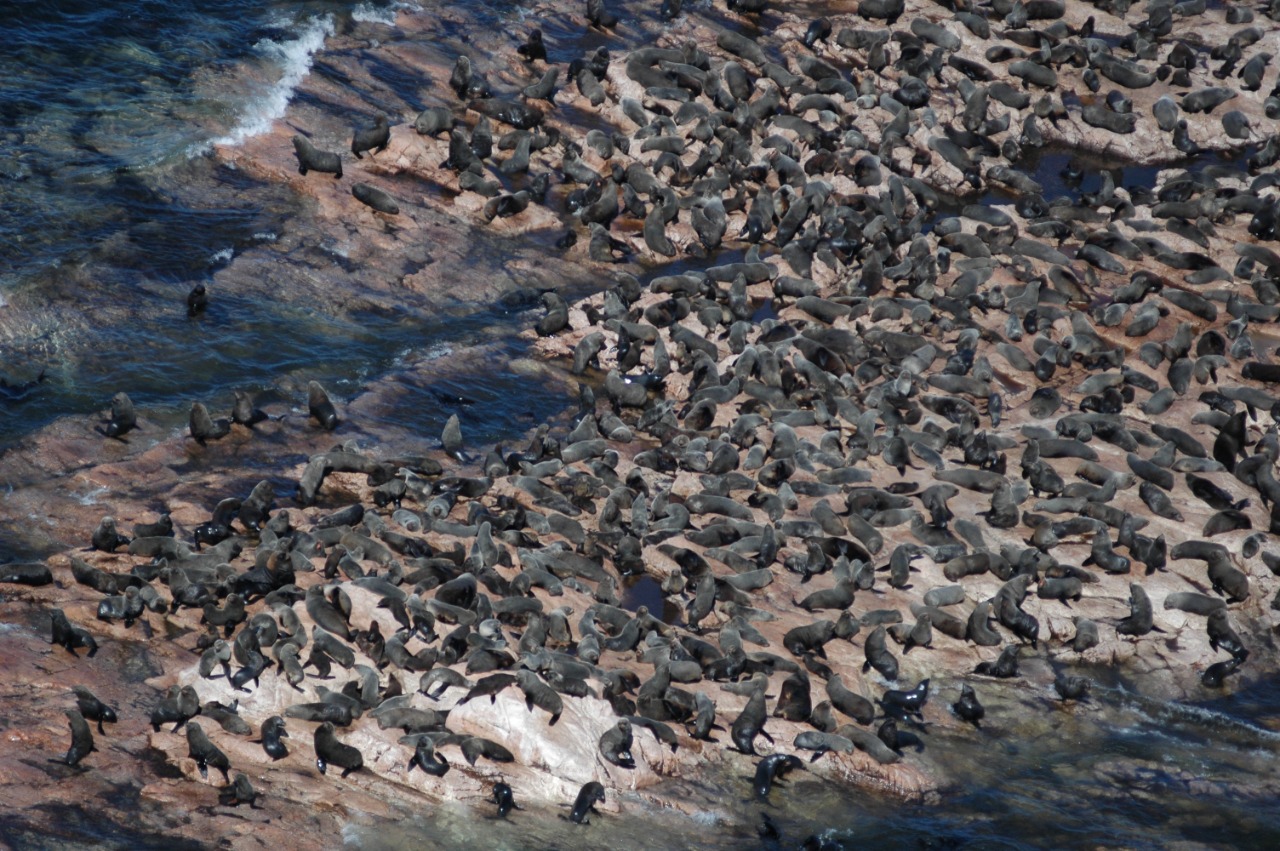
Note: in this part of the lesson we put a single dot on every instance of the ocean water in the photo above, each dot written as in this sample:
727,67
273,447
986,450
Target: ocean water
111,210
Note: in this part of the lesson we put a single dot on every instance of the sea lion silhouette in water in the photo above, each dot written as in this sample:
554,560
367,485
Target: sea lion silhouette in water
321,406
375,138
311,158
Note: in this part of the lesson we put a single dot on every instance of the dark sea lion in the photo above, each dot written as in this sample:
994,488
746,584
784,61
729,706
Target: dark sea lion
589,795
123,420
750,723
320,406
474,747
967,707
204,427
848,702
197,300
205,752
311,158
538,693
375,138
1072,687
377,199
179,705
901,703
1005,666
330,751
69,636
240,791
271,733
504,798
615,745
92,708
81,738
426,758
106,539
773,769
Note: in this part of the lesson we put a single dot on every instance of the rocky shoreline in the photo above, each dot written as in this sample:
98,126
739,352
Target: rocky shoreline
953,427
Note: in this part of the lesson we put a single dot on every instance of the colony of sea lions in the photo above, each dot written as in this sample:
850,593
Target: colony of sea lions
898,437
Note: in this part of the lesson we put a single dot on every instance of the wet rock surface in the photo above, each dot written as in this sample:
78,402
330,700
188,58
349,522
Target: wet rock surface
1059,411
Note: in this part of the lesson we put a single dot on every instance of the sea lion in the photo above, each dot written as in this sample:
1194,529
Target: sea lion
750,723
1005,666
271,733
330,751
197,300
205,752
377,199
589,795
311,158
203,427
615,745
69,636
504,798
92,708
375,138
967,707
81,739
240,791
1072,687
123,419
426,758
773,769
179,705
320,406
106,538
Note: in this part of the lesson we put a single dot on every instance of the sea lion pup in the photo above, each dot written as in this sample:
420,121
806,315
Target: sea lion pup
311,158
105,538
270,734
69,636
321,406
240,791
206,753
375,138
375,198
204,427
81,739
92,708
1216,674
426,758
773,769
615,745
557,315
330,751
197,300
451,437
967,707
589,795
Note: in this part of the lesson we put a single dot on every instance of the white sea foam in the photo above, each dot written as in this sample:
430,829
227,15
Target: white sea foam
370,14
293,56
223,256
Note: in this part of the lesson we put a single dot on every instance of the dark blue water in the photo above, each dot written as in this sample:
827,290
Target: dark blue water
110,212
